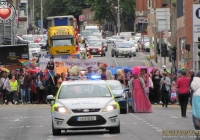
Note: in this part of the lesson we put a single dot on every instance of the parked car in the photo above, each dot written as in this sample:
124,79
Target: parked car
121,48
95,47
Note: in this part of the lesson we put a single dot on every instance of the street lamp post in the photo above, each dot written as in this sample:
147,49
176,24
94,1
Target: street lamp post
41,4
118,19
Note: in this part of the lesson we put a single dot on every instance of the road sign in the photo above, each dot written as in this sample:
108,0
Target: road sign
196,20
163,18
81,18
39,23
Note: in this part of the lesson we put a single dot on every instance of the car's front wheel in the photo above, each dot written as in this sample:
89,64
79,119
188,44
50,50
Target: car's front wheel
56,132
115,129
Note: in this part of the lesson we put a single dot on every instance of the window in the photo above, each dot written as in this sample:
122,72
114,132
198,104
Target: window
84,91
66,42
149,4
115,85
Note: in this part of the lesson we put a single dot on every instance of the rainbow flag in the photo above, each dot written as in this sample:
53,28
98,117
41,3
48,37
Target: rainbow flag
185,66
28,63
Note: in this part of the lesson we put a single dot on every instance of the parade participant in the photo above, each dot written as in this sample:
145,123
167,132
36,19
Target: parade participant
121,77
17,74
50,64
89,71
140,100
74,71
22,89
26,86
105,74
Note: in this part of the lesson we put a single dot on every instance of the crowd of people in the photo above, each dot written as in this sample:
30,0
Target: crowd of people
158,86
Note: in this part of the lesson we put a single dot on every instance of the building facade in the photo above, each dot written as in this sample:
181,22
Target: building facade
143,8
184,32
88,15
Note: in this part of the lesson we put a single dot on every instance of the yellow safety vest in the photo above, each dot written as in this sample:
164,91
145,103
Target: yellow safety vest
14,86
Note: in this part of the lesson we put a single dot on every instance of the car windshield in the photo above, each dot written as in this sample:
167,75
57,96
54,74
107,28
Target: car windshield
95,43
34,46
132,44
116,37
84,91
66,42
123,45
81,45
85,34
92,30
29,38
114,85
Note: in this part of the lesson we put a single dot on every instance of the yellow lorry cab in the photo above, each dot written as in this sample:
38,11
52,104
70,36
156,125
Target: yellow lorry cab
62,40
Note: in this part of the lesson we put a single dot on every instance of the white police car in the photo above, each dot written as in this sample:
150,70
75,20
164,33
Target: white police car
84,104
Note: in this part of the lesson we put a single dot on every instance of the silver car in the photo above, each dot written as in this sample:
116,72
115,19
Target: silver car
84,104
121,48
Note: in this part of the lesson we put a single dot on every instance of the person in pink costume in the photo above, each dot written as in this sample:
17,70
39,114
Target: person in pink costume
141,102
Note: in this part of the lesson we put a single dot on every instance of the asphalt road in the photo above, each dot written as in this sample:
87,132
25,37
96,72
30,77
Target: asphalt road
138,60
33,122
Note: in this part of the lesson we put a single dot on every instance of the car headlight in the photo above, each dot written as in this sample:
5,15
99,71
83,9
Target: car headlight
62,110
110,107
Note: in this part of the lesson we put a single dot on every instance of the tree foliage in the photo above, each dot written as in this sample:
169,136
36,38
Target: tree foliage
59,8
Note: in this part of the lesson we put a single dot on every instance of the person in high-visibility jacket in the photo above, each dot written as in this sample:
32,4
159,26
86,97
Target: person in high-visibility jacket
14,90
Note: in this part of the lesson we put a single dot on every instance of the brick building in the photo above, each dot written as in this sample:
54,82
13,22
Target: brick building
184,31
142,10
88,14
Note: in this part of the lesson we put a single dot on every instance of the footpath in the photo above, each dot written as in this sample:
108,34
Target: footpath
159,63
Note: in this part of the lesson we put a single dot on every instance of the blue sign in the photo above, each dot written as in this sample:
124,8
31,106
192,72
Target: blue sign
198,13
39,23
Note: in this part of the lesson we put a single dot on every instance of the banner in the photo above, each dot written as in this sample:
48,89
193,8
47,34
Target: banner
59,62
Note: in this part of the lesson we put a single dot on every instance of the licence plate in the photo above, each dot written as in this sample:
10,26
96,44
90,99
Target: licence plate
90,118
93,50
33,51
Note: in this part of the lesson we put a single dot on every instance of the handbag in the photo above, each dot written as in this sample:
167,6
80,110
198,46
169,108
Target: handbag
41,87
1,88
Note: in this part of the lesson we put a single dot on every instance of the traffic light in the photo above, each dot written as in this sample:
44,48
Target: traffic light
187,47
110,27
105,27
164,50
174,53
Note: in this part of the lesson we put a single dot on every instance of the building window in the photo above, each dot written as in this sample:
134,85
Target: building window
149,4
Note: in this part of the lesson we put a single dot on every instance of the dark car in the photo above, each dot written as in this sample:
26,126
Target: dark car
95,47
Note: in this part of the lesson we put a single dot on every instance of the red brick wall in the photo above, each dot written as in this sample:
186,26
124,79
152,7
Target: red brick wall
142,5
188,21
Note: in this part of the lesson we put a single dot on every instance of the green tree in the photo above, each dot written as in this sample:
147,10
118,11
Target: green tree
63,7
104,8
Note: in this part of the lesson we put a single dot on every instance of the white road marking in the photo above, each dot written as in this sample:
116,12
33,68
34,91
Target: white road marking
147,123
115,62
175,117
159,130
16,120
155,127
144,121
151,125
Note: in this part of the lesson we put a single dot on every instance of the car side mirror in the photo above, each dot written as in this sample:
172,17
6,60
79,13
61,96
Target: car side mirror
126,89
50,98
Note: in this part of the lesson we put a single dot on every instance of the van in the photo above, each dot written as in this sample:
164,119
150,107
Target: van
93,29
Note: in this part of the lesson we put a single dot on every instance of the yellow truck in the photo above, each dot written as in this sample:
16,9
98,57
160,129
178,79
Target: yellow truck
62,40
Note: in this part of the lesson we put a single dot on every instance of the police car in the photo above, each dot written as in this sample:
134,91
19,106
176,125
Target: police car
84,104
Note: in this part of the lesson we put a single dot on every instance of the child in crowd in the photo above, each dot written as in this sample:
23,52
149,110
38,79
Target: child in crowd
173,98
